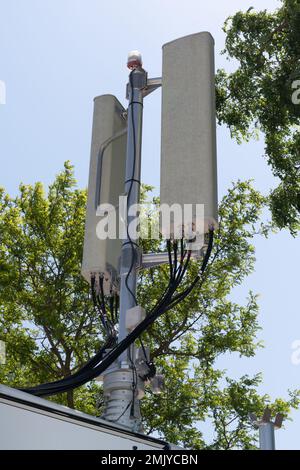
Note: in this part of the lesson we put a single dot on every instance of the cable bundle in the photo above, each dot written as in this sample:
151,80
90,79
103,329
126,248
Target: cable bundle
100,362
100,306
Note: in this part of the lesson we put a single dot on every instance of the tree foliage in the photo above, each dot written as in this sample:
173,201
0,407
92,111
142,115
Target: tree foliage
50,327
46,319
258,96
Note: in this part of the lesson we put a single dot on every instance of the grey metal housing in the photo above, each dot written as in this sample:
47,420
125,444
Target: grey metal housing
188,142
106,184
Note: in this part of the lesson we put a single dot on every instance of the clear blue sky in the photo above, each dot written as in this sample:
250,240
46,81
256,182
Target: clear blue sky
56,55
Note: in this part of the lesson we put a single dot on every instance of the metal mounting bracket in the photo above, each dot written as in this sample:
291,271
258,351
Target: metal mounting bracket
151,85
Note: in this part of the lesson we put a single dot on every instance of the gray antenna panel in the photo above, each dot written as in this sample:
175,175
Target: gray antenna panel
188,147
106,184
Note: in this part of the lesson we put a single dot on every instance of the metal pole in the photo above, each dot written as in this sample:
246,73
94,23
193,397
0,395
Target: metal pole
267,428
138,81
267,436
119,382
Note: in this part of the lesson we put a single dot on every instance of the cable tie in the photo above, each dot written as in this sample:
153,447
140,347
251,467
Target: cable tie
133,179
130,243
136,102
